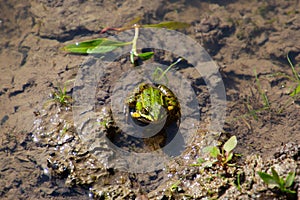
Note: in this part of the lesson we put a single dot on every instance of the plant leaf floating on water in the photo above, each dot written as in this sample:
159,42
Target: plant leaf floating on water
104,45
168,25
172,25
146,55
96,46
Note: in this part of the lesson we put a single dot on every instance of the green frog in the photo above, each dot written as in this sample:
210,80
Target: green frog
153,103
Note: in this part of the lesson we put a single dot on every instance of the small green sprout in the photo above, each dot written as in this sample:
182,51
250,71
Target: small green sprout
264,97
174,187
277,181
64,130
159,73
222,157
106,123
238,181
61,96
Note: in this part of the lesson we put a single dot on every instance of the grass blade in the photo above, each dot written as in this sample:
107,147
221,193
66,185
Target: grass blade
295,91
262,94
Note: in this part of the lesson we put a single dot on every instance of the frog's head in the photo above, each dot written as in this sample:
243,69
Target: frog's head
151,103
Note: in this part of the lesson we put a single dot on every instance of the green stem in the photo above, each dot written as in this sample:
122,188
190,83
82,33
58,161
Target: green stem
164,72
134,41
262,94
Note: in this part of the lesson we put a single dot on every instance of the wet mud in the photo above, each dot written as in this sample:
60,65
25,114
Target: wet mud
45,156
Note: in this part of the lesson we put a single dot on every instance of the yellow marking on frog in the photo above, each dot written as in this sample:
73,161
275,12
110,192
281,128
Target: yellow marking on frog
135,115
170,107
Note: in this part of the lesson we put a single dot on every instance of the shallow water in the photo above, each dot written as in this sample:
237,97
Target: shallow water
240,37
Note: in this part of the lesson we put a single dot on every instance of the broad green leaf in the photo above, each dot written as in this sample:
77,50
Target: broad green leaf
213,151
100,45
107,46
289,179
101,49
82,47
267,178
230,144
146,55
168,25
296,91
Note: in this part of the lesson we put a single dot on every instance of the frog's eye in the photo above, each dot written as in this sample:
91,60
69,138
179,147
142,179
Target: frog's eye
135,115
172,103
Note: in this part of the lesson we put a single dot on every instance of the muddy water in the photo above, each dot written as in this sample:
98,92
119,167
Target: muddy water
240,37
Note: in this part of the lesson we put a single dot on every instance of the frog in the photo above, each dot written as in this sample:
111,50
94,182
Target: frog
152,103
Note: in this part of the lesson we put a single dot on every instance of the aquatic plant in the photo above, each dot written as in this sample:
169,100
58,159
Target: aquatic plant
220,157
60,95
275,180
104,45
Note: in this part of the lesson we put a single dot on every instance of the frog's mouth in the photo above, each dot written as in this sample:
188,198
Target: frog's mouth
145,120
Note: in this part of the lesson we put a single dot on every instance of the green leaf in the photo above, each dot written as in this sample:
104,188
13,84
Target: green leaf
289,179
213,151
100,45
290,191
267,178
168,25
229,157
276,176
101,49
230,144
82,47
296,91
146,55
